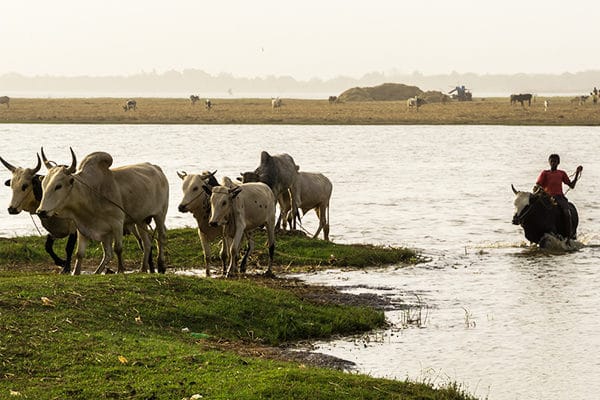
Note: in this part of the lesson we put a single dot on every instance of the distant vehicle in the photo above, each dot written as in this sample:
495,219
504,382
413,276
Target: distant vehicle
462,93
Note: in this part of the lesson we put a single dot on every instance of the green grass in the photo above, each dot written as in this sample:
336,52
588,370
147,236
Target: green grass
121,337
292,251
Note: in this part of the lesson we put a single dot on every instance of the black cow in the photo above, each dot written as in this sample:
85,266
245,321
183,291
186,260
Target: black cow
521,98
539,215
27,193
280,173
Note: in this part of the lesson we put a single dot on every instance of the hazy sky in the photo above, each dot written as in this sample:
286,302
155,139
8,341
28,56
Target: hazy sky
302,39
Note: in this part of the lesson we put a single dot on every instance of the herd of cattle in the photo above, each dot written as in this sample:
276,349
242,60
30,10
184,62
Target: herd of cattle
93,201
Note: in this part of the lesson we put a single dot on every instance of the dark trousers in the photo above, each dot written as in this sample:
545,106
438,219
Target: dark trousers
563,204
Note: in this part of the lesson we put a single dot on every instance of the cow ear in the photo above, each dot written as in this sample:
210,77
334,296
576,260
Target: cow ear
7,183
235,191
207,190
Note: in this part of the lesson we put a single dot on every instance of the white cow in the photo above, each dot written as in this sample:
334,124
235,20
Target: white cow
197,201
314,190
130,105
239,210
207,104
102,201
5,100
276,103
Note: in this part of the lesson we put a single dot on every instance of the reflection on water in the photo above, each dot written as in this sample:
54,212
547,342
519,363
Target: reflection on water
505,320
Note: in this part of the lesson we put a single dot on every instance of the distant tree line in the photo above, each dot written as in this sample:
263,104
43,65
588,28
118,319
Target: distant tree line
198,81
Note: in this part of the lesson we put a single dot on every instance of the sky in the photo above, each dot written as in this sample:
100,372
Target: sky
302,39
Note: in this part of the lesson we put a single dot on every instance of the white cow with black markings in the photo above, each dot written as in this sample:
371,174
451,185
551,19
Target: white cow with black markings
239,209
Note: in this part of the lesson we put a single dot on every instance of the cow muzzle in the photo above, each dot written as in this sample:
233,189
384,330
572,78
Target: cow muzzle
13,210
43,213
516,220
182,208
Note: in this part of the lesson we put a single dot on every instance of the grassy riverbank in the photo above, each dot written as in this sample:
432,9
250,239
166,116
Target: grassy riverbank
492,111
142,336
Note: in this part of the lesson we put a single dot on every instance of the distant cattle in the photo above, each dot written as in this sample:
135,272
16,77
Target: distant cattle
208,104
239,210
333,99
5,100
276,103
130,105
546,105
197,201
279,172
521,98
415,102
26,185
102,201
579,99
194,99
314,191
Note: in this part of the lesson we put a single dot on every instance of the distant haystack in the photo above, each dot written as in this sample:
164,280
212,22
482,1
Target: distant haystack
389,92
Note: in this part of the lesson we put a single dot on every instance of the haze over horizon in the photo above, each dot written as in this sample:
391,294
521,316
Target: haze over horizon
314,39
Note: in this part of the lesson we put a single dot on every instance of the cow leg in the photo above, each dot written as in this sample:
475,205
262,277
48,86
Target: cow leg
319,212
205,250
224,254
249,250
234,249
107,256
161,230
294,209
69,252
82,243
143,237
49,246
271,243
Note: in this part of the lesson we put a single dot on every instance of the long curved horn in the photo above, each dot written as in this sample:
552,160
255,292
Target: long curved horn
209,174
515,191
47,163
38,166
8,165
73,165
181,174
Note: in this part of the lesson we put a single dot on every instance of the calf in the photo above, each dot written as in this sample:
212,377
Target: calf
239,210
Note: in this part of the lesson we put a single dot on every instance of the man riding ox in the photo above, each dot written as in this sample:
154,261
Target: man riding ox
547,210
238,210
102,201
26,185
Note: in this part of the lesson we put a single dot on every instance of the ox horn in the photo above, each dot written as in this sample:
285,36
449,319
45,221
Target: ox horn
73,165
8,165
209,174
47,163
515,191
181,174
38,166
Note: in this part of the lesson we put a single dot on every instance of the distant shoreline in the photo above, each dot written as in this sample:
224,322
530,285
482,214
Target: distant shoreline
562,111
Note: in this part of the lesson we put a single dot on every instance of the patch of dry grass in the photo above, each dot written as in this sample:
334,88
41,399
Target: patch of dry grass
493,111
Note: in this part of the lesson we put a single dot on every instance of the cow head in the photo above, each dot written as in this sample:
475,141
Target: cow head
249,176
221,204
193,192
26,187
522,203
56,186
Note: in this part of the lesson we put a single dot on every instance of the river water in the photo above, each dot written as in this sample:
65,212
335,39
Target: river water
502,319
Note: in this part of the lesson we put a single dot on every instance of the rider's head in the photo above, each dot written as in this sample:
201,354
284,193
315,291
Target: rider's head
554,160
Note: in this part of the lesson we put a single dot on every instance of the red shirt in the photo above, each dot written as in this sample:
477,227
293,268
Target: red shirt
551,181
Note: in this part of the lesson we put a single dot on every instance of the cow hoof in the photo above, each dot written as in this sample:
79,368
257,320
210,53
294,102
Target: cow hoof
269,274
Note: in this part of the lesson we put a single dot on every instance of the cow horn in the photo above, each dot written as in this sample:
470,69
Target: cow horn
47,163
73,162
181,174
515,191
8,166
38,166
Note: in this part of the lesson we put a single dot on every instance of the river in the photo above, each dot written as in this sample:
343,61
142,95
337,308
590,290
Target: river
502,319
